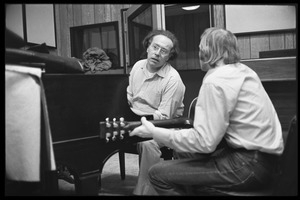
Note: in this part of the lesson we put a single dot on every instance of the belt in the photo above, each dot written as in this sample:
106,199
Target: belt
259,155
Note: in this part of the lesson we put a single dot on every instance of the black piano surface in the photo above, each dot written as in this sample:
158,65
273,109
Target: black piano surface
76,104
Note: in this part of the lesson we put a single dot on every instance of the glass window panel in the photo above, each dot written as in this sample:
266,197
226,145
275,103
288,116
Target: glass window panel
139,26
103,35
187,25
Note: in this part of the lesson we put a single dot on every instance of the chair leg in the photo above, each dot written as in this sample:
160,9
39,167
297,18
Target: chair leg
167,153
122,163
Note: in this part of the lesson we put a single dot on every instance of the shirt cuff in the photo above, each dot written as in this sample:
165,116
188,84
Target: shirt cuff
162,138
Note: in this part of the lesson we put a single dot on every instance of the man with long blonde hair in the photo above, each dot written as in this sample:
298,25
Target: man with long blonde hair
236,136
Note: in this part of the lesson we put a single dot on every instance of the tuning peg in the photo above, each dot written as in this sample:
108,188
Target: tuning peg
122,132
122,124
114,138
107,136
107,123
115,124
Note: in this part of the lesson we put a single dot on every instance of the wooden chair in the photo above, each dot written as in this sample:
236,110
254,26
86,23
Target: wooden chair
191,112
167,153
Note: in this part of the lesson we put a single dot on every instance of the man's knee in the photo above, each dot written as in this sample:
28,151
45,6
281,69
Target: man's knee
148,146
152,173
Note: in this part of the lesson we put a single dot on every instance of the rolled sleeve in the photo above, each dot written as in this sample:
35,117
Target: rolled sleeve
206,134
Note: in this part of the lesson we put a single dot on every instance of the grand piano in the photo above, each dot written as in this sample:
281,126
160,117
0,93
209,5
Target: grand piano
76,104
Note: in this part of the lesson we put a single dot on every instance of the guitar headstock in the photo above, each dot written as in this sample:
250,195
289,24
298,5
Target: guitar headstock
112,130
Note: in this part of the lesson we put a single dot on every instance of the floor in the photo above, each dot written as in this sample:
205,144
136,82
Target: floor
112,185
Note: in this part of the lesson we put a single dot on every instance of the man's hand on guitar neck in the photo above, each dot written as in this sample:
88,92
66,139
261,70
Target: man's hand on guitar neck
145,130
148,130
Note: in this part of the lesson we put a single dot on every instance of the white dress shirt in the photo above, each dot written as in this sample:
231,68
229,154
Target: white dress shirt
232,103
159,94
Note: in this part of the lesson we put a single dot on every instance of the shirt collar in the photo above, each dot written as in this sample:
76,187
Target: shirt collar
162,72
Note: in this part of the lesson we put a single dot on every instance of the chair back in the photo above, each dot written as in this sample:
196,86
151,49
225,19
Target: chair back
286,180
287,183
191,113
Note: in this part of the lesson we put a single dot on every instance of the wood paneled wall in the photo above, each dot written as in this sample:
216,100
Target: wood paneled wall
251,45
218,16
69,15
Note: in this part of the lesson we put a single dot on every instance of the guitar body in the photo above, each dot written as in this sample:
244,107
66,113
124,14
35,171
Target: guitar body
114,131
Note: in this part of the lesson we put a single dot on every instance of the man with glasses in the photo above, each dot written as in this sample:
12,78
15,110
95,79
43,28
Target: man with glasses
236,138
156,90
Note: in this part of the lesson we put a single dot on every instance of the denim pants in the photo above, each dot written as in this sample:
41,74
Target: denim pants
225,169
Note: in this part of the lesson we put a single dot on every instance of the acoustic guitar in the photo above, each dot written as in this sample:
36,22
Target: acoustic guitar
114,131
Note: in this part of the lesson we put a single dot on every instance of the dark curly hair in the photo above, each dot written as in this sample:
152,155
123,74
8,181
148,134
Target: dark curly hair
174,51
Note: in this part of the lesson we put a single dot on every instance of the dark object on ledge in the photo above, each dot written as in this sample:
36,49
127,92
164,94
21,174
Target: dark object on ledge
278,53
40,48
54,64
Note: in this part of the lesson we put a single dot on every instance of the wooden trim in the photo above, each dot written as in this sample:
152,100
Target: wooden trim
219,16
273,69
266,32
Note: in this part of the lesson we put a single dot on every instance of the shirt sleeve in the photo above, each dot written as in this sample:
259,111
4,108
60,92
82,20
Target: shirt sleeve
210,123
129,88
172,100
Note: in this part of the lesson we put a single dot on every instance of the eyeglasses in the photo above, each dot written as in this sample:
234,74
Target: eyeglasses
162,51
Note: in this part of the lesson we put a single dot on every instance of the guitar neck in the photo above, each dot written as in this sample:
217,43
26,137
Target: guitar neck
167,123
119,131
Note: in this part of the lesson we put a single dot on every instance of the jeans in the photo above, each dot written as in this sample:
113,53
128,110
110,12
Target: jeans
225,169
